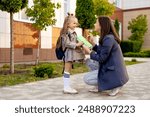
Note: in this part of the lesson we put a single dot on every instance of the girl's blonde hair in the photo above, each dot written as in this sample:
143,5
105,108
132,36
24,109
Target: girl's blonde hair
67,20
64,30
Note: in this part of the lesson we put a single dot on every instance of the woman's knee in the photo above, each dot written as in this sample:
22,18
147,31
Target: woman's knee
92,65
90,79
86,79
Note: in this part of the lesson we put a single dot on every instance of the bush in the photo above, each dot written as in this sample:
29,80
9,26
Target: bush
5,66
126,46
42,70
134,54
137,46
138,27
131,46
138,54
133,60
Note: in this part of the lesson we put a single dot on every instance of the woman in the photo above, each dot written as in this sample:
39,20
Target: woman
111,74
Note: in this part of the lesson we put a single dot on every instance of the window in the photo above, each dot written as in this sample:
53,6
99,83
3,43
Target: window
21,15
117,3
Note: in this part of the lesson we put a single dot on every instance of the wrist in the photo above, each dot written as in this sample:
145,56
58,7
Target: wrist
93,44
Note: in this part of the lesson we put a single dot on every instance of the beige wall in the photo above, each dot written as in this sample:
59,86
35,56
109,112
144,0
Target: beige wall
127,16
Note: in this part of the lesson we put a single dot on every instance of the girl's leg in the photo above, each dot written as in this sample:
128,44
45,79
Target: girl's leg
66,78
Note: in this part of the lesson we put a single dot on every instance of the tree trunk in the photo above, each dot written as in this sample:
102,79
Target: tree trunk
83,32
11,45
38,49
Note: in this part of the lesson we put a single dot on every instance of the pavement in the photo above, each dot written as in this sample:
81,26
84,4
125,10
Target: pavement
138,88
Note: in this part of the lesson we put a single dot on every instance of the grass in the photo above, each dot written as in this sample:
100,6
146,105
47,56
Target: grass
24,73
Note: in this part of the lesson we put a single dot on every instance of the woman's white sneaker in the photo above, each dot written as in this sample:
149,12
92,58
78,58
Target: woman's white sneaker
114,91
70,91
94,89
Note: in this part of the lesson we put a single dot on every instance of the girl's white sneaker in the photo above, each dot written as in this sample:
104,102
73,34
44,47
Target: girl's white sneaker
70,91
114,91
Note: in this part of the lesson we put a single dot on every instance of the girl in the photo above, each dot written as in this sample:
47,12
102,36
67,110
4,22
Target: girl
73,50
111,74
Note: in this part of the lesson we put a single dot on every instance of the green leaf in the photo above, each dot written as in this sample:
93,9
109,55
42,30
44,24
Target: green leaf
42,13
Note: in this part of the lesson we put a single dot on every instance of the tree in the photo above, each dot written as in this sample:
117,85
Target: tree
42,13
85,14
116,25
12,6
103,7
138,27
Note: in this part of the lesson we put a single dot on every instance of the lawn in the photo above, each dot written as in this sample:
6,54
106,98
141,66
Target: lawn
24,73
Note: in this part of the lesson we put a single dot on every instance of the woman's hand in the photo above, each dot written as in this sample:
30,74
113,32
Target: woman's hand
91,39
86,49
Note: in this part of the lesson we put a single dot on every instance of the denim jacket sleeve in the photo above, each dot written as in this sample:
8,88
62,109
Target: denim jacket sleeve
104,51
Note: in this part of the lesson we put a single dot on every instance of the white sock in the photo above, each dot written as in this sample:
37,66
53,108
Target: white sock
66,79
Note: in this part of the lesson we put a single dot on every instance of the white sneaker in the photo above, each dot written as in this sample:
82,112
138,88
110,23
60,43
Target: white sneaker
70,91
94,89
114,91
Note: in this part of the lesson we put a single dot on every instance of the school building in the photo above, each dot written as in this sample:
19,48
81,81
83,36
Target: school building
25,36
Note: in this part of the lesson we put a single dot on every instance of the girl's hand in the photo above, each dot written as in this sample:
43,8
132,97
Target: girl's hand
86,49
91,39
79,44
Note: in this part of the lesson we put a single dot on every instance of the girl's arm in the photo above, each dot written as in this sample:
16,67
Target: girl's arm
70,44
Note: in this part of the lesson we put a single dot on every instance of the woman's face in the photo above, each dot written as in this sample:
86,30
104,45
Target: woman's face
97,27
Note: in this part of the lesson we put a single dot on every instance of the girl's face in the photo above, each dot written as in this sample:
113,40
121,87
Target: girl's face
73,23
97,26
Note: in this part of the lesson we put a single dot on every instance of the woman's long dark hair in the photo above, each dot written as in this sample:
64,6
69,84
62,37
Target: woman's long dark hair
107,27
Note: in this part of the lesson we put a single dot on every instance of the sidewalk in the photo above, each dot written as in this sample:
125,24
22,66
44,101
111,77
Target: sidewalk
137,88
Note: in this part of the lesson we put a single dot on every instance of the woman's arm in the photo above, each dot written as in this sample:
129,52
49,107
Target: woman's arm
104,52
95,47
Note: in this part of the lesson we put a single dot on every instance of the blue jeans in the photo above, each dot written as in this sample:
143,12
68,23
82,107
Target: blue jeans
91,78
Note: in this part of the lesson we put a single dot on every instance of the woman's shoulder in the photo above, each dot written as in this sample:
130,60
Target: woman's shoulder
109,36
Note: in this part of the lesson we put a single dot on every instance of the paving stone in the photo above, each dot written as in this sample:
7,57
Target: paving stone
138,88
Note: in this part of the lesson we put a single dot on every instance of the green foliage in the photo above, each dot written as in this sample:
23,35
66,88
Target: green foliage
25,73
85,13
94,33
126,46
42,13
103,7
5,66
131,46
12,6
116,24
134,60
138,27
41,70
138,54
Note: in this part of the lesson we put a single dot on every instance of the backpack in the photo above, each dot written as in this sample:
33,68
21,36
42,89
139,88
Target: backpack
60,53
